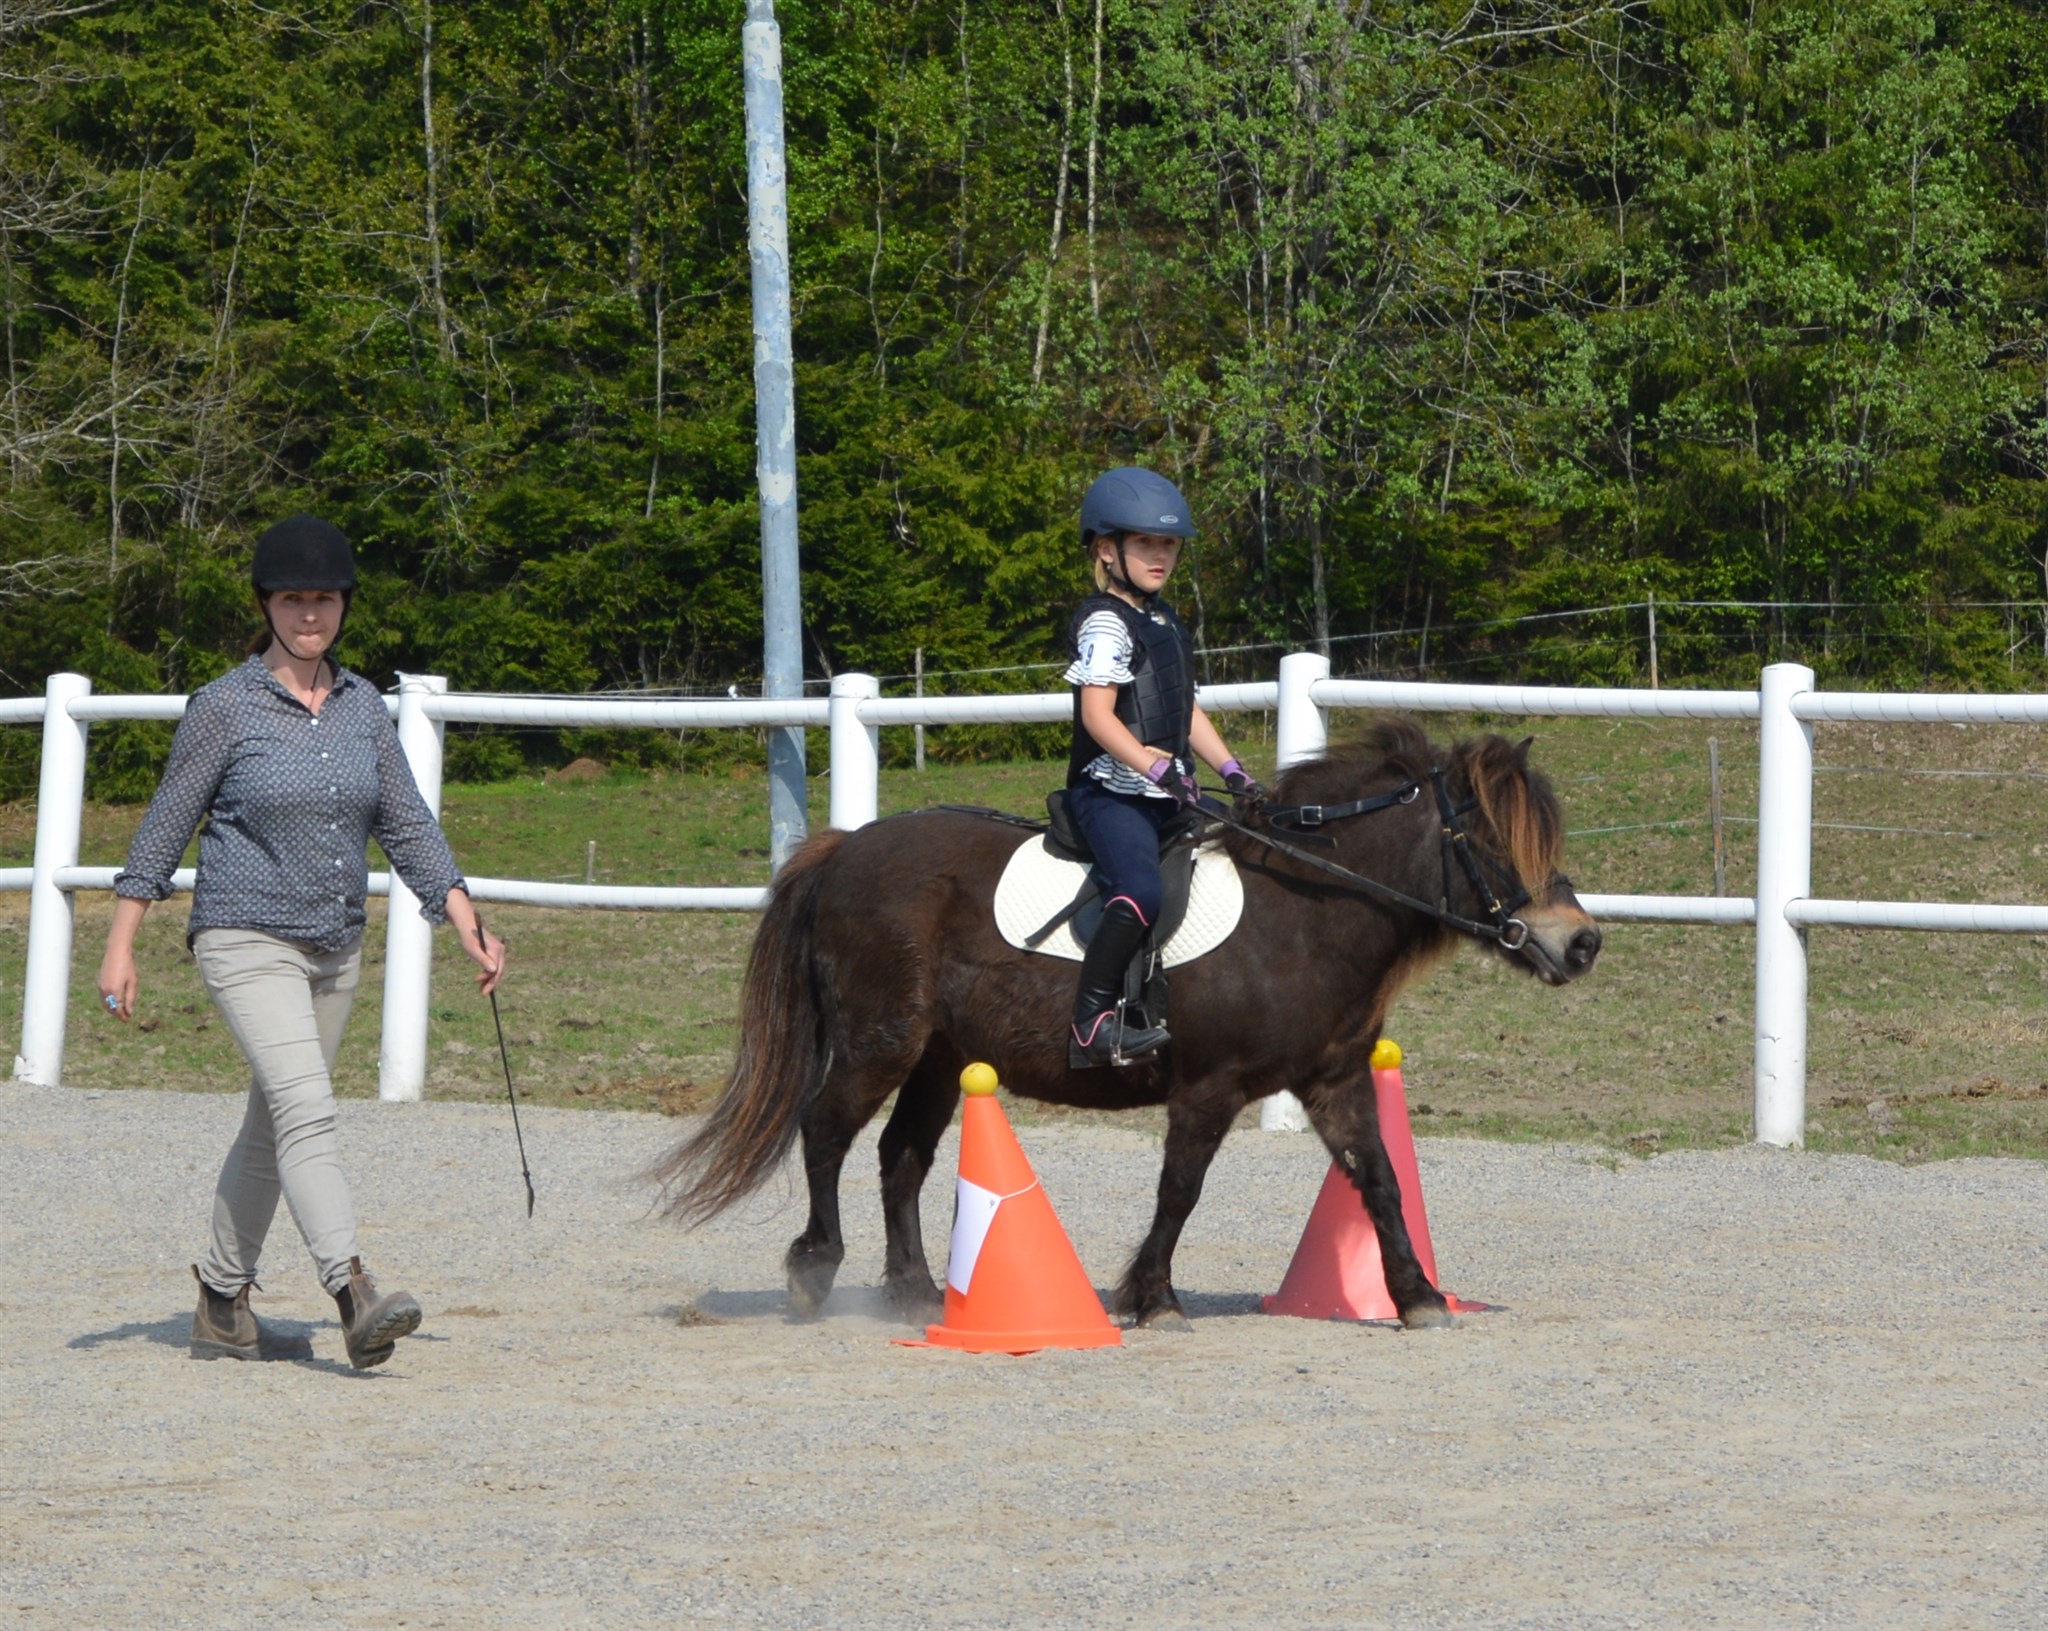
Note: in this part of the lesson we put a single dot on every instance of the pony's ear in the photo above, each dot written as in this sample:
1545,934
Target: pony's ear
1522,753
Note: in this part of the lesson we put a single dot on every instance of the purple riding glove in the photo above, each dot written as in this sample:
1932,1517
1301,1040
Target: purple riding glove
1243,789
1171,778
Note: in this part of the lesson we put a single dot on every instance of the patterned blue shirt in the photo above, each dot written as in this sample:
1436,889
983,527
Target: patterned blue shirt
293,798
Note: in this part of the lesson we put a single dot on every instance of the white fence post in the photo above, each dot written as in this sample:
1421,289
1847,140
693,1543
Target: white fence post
60,811
1784,873
408,937
1301,732
856,753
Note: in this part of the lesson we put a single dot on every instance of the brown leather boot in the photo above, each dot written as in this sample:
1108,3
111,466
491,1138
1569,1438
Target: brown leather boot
372,1321
227,1328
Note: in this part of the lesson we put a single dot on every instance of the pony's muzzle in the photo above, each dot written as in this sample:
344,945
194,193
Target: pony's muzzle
1558,945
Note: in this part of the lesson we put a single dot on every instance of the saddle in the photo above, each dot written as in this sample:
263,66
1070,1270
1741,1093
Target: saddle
1146,988
1177,841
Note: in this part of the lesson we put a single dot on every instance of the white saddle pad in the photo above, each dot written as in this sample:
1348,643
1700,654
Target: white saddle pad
1038,884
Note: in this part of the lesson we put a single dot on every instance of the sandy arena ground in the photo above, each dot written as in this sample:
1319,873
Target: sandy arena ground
1747,1389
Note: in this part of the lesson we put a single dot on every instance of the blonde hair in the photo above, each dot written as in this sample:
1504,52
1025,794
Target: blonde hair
1095,560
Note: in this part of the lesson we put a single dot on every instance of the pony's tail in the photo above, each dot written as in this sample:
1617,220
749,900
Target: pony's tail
780,1066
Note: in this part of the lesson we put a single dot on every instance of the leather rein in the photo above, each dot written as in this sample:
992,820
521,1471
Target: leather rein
1502,925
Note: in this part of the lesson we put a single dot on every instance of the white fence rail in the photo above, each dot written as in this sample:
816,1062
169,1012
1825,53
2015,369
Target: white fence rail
1785,704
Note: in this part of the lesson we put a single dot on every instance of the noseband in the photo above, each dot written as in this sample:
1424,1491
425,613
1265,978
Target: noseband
1501,925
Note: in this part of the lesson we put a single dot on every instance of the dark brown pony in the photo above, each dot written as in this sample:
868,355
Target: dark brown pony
878,969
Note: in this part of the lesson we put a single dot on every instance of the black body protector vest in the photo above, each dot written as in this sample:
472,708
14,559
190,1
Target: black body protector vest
1158,705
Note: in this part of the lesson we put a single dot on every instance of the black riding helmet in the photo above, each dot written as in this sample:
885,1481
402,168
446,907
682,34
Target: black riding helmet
303,552
1132,499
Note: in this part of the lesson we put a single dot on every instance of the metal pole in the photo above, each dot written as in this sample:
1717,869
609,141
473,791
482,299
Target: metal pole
1653,642
1784,873
856,753
782,662
1300,733
408,937
60,813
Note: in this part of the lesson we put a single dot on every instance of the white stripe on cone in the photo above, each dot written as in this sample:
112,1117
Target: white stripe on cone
974,1209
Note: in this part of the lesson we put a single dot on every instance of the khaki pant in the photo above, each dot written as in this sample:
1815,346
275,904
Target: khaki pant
286,1006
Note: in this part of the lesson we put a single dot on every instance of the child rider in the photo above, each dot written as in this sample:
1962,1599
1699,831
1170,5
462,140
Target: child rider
1137,732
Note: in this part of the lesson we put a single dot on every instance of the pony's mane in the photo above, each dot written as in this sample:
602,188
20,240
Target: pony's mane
1517,804
1515,801
1395,748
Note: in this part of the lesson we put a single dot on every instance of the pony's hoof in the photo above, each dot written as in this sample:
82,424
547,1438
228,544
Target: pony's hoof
1163,1319
916,1304
804,1303
810,1283
1427,1317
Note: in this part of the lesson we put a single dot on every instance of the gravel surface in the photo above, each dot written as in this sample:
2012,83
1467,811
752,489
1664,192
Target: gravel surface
1747,1388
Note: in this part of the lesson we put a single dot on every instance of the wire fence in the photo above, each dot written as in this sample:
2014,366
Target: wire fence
1980,645
1652,641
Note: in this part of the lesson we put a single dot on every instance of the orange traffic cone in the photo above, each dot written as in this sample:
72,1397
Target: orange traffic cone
1337,1272
1013,1282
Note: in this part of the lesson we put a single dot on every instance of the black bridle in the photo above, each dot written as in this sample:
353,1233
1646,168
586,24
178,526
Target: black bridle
1501,924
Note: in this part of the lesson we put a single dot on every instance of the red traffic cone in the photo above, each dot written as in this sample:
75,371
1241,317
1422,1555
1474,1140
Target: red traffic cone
1013,1281
1337,1272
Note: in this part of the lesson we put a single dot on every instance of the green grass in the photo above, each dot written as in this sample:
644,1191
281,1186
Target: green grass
1945,1035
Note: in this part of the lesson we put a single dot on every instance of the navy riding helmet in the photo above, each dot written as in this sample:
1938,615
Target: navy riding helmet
1134,499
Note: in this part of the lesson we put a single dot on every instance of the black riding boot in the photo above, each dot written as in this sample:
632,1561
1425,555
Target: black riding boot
1100,1036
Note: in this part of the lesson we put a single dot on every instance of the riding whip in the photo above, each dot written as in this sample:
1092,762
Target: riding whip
505,1059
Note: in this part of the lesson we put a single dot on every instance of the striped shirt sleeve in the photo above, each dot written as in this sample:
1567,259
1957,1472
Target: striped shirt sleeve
1104,646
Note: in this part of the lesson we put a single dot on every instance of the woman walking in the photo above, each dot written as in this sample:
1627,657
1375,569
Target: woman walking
295,764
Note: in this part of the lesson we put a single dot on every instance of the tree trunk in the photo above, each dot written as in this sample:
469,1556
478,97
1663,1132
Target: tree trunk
875,268
960,208
1319,587
13,375
642,93
440,298
192,504
1059,205
1094,143
660,364
114,381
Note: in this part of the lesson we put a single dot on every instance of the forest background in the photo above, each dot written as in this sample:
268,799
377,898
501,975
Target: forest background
1444,314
